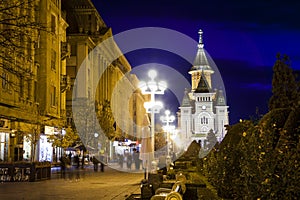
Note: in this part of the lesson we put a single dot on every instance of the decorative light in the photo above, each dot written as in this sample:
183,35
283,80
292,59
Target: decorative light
152,87
167,119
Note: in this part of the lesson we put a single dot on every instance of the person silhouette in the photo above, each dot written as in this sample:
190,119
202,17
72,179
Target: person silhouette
136,158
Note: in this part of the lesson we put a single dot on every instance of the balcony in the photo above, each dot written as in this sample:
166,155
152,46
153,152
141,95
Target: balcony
65,83
65,50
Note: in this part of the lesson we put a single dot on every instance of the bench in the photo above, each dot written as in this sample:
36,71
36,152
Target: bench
178,189
174,193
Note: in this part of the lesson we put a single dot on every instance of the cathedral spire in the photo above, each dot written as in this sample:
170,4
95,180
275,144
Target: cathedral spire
220,99
186,101
201,60
200,45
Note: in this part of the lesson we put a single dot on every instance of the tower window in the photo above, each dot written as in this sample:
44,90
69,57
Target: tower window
204,120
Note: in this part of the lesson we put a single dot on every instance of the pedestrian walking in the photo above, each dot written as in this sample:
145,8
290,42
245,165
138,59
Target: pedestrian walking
62,168
129,160
70,157
136,158
102,163
76,160
121,160
64,164
95,162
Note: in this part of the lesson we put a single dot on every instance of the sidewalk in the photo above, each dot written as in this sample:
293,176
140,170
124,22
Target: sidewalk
107,185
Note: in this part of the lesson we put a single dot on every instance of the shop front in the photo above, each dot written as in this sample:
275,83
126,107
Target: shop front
4,145
10,149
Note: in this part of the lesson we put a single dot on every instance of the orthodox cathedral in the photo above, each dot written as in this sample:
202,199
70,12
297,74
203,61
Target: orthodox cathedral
202,109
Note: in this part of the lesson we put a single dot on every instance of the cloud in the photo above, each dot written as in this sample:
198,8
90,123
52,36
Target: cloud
257,86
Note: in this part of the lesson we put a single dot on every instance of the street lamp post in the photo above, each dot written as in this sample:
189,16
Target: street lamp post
167,119
152,87
96,142
63,133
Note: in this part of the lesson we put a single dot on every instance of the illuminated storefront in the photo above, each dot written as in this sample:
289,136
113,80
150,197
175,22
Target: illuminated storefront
45,149
27,149
4,146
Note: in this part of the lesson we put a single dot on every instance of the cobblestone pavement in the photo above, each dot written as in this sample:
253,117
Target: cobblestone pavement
79,184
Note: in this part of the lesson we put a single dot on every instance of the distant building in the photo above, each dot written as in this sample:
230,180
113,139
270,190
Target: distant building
116,85
202,109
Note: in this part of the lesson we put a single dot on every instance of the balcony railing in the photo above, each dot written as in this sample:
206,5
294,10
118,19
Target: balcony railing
65,50
65,83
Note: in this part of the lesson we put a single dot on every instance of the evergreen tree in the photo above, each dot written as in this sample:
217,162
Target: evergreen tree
284,86
258,157
285,179
106,120
223,166
211,140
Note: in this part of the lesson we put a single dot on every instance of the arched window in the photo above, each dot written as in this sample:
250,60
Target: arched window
204,120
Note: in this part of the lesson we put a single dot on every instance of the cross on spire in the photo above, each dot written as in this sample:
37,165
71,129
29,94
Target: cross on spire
200,45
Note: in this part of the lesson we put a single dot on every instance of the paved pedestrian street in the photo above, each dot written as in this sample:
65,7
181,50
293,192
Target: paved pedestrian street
110,184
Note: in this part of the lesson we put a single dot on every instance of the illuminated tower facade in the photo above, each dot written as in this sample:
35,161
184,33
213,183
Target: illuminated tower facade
203,109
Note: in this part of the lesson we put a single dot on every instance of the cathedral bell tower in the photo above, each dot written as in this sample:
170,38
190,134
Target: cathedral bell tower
203,120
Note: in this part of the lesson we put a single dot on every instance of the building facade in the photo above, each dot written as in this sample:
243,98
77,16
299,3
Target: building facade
203,109
38,68
32,94
104,76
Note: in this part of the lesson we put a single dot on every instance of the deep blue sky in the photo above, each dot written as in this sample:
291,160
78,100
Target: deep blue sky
243,39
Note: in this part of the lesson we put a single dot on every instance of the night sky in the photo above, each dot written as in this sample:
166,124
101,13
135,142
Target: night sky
243,39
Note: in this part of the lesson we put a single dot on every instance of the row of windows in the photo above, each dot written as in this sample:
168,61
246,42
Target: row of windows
203,99
28,87
25,86
203,120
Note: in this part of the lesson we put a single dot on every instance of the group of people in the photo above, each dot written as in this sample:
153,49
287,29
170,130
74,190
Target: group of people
66,164
96,163
130,158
